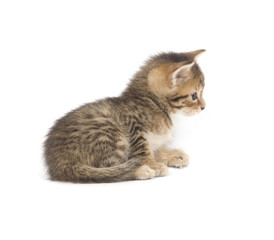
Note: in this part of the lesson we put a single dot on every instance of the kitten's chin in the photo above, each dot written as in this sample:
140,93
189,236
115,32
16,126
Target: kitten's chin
189,113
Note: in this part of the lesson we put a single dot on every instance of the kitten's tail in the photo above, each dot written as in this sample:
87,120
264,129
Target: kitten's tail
81,173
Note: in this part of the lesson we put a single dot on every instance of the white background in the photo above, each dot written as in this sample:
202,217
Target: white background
56,55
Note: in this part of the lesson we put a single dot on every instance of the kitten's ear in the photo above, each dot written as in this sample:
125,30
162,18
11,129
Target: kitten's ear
182,73
195,54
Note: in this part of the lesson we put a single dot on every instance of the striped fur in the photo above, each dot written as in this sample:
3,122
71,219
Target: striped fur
107,141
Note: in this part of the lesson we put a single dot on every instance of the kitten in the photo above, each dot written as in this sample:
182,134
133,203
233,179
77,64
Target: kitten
123,138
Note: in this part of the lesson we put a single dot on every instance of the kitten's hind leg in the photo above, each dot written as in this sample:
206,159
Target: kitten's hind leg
172,157
110,153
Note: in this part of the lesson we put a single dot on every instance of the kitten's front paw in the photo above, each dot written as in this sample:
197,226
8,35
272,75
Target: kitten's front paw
144,172
160,168
163,170
178,159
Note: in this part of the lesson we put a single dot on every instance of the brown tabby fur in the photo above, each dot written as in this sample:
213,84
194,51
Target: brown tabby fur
122,138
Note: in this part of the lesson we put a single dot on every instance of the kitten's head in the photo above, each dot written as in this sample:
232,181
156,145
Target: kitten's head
179,81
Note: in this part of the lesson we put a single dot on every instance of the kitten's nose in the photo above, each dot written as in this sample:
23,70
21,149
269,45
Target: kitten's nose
202,108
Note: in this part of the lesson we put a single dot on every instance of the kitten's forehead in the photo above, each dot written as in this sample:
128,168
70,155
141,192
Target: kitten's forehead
197,72
190,86
198,77
194,84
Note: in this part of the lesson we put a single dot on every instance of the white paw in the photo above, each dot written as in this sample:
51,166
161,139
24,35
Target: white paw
144,172
180,160
163,170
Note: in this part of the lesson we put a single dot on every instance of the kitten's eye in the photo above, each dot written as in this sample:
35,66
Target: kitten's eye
179,98
194,96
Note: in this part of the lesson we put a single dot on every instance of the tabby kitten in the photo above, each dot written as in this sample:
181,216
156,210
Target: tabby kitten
123,138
